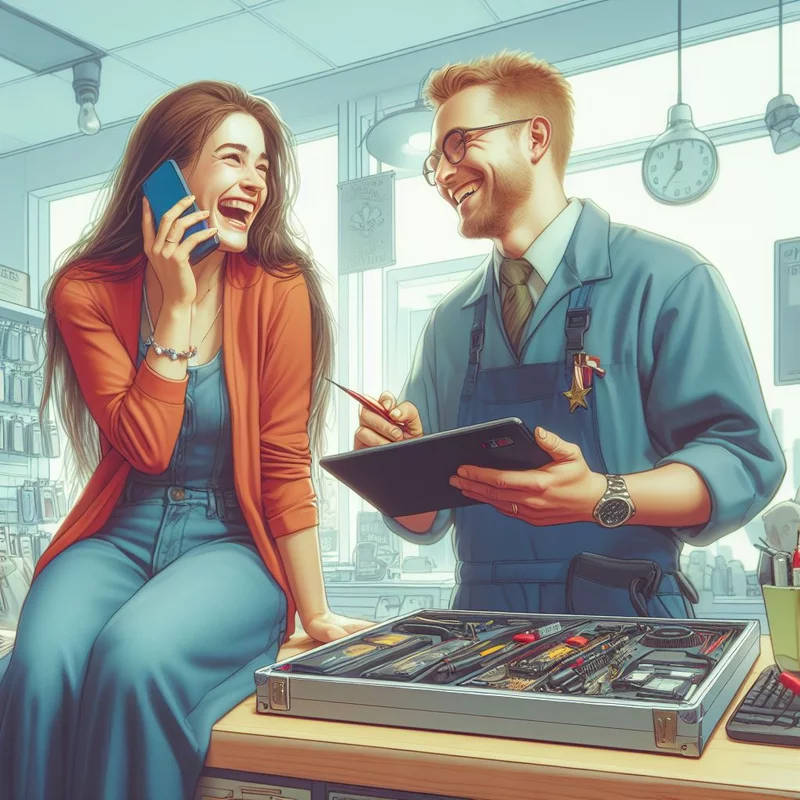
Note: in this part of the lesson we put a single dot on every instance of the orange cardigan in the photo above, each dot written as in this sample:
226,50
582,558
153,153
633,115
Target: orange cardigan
267,354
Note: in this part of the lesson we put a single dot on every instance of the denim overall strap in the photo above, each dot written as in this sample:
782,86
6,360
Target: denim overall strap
476,339
579,315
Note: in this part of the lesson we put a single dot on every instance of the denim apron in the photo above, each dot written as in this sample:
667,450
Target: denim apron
145,633
506,564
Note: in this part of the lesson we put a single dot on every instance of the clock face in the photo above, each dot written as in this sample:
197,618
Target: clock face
679,172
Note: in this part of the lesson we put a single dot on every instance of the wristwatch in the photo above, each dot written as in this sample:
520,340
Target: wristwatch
615,507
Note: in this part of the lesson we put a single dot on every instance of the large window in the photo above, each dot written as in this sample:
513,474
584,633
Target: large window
724,80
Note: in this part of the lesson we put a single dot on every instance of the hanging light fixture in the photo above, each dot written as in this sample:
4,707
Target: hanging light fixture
681,164
783,115
402,139
86,83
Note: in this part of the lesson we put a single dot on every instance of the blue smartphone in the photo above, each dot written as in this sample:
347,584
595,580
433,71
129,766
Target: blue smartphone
164,187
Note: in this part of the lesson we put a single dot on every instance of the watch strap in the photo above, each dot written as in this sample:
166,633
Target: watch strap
616,488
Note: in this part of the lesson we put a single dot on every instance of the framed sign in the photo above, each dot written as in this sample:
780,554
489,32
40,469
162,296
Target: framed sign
366,223
13,286
787,311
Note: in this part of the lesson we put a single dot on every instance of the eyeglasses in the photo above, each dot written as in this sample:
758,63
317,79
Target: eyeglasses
454,147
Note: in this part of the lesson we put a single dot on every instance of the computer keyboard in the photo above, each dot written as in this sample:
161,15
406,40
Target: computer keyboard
769,713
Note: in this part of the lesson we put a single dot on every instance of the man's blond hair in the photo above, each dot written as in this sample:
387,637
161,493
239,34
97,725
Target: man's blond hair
523,86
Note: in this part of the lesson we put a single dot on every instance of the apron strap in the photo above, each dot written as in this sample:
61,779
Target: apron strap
579,315
476,338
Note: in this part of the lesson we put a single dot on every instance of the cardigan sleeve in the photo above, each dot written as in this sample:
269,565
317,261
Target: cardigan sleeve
138,411
287,493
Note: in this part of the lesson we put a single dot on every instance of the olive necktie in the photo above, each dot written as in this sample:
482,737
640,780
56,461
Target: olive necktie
517,300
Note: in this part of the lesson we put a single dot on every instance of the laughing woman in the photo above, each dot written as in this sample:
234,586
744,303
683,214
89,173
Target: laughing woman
180,567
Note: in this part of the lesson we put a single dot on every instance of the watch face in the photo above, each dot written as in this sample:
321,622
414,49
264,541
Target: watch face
614,512
679,172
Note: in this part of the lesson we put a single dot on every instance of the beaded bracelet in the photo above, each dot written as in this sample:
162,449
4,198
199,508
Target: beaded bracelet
170,352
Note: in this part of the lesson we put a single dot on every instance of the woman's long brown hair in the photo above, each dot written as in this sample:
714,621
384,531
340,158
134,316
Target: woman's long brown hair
176,126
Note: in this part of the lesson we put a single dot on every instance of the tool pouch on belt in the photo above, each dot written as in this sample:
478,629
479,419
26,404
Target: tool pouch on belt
600,585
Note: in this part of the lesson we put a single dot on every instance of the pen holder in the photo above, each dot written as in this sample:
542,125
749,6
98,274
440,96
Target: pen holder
783,615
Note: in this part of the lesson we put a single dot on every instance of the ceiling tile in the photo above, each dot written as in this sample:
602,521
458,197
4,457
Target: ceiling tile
9,71
92,21
125,91
334,29
511,9
245,50
8,144
38,109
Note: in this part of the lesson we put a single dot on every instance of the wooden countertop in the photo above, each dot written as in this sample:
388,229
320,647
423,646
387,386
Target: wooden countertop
489,768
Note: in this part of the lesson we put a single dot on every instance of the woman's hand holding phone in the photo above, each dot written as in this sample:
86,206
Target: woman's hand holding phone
168,255
169,258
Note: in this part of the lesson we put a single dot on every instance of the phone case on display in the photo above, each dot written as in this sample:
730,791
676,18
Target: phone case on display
17,395
51,447
25,545
12,346
27,388
45,503
61,499
40,542
26,502
33,445
28,345
16,435
9,504
35,386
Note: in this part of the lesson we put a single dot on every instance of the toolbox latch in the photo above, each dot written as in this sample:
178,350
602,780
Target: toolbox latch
278,693
665,727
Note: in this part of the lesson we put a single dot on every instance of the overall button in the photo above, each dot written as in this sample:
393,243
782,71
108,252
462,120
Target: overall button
177,493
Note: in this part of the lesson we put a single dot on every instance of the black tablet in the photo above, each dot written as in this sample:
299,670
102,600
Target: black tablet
413,476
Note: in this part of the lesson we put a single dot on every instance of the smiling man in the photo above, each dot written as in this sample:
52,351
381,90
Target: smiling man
623,350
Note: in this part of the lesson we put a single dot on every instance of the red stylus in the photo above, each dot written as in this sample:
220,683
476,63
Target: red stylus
372,405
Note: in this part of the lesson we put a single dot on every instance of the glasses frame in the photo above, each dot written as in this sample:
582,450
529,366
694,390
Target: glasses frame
462,132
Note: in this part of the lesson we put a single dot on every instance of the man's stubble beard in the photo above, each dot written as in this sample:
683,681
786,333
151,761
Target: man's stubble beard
496,215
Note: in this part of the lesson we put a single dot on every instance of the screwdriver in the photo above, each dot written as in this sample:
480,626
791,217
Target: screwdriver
451,667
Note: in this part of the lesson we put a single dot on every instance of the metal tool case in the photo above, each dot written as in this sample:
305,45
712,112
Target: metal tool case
631,683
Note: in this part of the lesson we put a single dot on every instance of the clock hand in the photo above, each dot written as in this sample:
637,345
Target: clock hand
678,168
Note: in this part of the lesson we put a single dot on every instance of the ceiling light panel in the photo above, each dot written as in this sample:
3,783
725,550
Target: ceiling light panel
332,28
246,51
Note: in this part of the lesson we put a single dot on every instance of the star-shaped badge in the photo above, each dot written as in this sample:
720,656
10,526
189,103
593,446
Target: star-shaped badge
577,397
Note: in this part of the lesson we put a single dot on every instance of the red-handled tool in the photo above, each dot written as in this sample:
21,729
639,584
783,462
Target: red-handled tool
372,405
791,681
539,633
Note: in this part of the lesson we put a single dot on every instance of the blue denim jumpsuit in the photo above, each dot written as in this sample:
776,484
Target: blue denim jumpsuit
135,641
